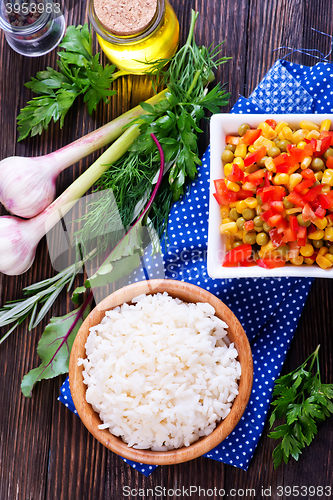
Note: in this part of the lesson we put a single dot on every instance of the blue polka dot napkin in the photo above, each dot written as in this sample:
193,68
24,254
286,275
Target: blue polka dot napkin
268,308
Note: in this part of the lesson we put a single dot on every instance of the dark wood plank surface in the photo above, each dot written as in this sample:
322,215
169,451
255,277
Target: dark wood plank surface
45,452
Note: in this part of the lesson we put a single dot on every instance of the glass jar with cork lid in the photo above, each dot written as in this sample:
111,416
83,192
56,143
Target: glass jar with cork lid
134,34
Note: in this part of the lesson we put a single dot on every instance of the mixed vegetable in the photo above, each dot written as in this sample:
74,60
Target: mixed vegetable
276,197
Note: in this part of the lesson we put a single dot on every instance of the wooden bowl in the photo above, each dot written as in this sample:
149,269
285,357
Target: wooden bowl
187,293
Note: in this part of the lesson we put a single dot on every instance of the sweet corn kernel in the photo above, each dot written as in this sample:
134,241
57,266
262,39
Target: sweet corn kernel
301,145
232,186
240,162
297,261
326,188
318,175
281,179
325,125
329,234
294,179
299,136
224,209
294,210
323,262
251,202
329,222
309,125
308,261
280,126
329,256
327,177
227,169
270,165
306,162
251,149
287,133
240,206
266,248
321,223
262,141
307,250
241,150
314,134
317,235
229,244
323,251
267,130
228,227
239,234
233,204
226,220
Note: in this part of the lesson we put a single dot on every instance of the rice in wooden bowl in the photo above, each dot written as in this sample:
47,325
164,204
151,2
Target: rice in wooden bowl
161,372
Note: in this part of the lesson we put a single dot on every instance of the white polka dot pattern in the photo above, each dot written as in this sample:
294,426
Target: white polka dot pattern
269,309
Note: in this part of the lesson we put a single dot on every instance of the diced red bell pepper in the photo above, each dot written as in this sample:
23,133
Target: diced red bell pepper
268,178
223,196
248,262
271,193
320,212
282,169
301,236
256,177
312,194
249,224
308,213
277,206
289,235
297,154
282,225
303,185
236,174
237,255
267,214
325,143
274,220
244,193
271,262
326,200
232,139
325,133
309,174
276,237
296,199
250,136
329,162
294,226
271,123
255,157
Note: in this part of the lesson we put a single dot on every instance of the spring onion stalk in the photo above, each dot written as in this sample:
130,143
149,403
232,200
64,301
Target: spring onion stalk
28,185
19,238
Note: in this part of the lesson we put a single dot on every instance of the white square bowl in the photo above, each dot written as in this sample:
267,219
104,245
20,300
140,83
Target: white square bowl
220,126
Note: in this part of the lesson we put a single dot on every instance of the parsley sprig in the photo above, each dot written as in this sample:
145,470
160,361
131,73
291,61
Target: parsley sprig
304,401
79,73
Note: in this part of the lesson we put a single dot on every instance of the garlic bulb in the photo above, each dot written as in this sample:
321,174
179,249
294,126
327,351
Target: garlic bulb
18,245
27,185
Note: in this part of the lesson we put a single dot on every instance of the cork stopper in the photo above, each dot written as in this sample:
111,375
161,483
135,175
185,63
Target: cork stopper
125,17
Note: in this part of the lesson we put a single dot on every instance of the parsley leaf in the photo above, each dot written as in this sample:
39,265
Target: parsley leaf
304,402
79,73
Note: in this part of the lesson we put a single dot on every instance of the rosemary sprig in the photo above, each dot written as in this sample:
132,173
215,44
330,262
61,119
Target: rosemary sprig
303,401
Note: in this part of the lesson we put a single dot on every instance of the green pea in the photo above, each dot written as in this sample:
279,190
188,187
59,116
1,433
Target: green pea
258,221
262,239
317,164
287,204
227,156
261,162
266,227
237,244
282,250
302,222
231,147
259,200
250,238
317,243
240,222
274,151
243,129
248,213
328,152
282,145
233,214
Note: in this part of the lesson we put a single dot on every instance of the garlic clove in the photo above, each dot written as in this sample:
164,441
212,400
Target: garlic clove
27,185
17,245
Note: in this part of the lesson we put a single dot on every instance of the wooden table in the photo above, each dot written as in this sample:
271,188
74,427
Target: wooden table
45,451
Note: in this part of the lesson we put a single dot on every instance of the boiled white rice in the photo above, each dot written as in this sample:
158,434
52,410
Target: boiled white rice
160,372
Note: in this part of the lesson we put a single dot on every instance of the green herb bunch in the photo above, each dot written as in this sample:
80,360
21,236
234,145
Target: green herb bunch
303,401
80,73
